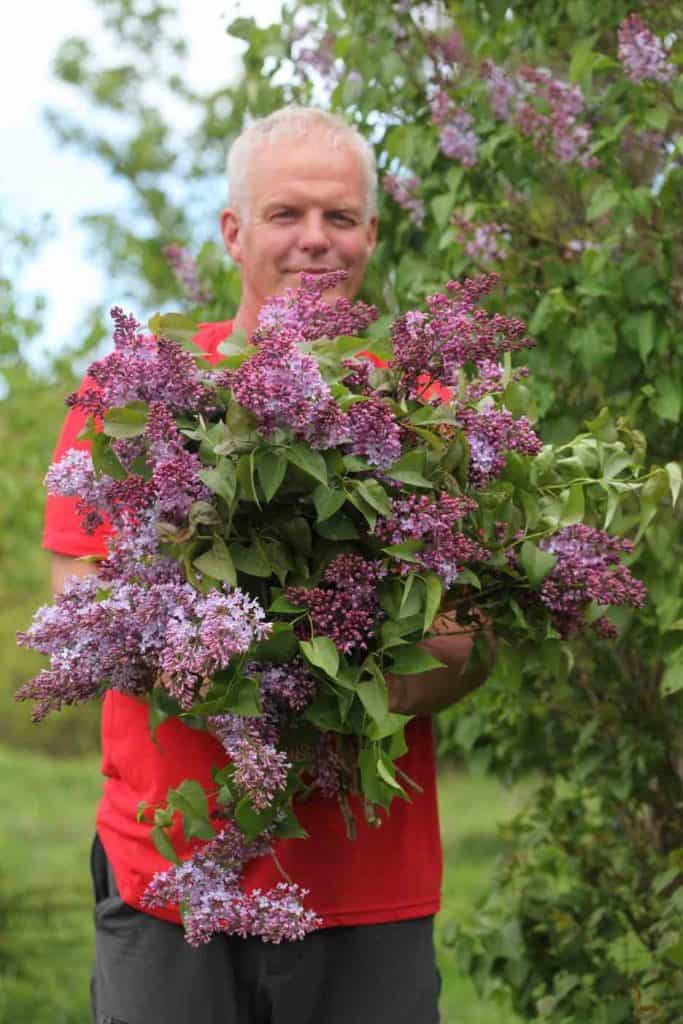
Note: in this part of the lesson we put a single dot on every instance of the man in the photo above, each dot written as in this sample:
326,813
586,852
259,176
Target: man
302,198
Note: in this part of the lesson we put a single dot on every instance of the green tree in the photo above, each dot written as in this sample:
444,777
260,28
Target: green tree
535,139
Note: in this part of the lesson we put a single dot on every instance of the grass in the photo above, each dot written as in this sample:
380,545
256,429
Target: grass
45,901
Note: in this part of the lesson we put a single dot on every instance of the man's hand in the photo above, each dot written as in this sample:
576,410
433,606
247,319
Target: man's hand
429,692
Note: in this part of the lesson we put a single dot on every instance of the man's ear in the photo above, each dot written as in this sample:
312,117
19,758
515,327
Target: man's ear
372,233
231,229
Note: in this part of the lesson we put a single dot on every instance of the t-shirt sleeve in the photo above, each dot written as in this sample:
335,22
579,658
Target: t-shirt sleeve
64,533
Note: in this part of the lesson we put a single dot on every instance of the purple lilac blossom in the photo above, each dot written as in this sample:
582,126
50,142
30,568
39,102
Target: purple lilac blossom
209,890
403,189
503,90
588,569
142,368
490,433
559,129
419,517
454,333
345,606
375,433
642,54
184,266
302,314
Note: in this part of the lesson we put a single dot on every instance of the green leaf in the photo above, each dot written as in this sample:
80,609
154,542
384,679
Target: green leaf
536,563
125,420
271,467
281,604
412,660
373,693
280,646
327,501
189,799
673,470
672,679
164,844
433,595
669,398
386,775
253,822
339,527
103,458
251,559
406,550
217,563
321,653
410,477
442,207
574,507
375,495
177,327
309,461
243,697
222,479
245,478
604,199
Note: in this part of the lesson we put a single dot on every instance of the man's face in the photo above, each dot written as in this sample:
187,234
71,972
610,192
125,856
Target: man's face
305,212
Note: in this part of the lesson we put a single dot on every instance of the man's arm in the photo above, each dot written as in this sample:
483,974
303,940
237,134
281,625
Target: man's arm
429,692
62,566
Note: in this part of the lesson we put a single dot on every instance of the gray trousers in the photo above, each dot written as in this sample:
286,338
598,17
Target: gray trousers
146,973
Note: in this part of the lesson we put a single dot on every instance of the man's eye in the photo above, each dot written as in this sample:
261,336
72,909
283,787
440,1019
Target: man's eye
342,218
283,215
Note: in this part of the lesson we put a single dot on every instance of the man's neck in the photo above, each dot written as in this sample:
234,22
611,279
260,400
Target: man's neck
246,318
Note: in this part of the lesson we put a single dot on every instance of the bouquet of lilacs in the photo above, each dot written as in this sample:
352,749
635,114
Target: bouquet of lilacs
288,526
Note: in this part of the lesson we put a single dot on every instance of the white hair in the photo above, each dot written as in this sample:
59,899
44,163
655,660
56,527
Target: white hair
297,122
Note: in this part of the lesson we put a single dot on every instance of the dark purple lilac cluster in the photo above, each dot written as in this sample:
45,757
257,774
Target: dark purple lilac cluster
184,266
588,569
404,190
446,549
345,606
374,432
208,887
643,56
490,433
454,333
127,634
142,368
302,314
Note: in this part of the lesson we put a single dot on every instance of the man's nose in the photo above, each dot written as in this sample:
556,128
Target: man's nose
313,234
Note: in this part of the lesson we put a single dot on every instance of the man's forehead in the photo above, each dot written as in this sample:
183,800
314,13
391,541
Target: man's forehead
297,169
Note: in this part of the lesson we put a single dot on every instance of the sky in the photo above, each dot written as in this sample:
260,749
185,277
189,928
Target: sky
37,175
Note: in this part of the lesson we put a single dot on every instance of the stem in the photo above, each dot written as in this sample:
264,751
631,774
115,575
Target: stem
407,779
280,868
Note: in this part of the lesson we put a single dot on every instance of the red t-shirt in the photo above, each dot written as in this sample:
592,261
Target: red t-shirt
385,874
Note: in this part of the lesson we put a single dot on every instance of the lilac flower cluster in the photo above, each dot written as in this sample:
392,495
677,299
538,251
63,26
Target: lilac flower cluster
503,89
302,314
588,569
482,241
207,886
184,266
142,368
642,55
202,639
454,333
403,189
490,433
418,517
175,470
319,57
375,434
457,138
560,129
345,606
125,634
98,497
446,49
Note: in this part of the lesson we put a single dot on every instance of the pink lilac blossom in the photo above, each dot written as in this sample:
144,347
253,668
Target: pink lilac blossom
454,333
447,48
446,550
358,377
403,189
643,56
208,888
142,368
184,266
588,569
457,138
503,90
490,433
99,496
203,639
302,314
560,129
482,241
345,606
375,434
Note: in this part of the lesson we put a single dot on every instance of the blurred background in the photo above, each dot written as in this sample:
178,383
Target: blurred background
541,140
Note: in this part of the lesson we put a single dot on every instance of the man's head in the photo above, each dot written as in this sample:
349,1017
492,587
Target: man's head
303,196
